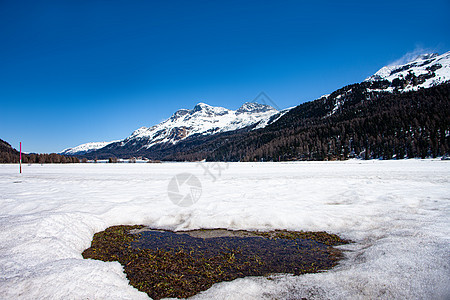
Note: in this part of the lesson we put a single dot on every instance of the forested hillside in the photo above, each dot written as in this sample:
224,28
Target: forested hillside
10,155
365,125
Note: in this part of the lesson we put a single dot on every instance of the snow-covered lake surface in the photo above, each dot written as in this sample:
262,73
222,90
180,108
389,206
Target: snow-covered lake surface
397,212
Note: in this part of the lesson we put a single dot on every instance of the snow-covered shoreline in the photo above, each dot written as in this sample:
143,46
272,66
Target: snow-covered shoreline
397,212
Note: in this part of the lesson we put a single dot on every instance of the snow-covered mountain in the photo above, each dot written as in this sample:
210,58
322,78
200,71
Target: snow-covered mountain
85,148
203,119
424,71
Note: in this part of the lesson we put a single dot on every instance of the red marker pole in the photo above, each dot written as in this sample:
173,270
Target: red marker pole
20,158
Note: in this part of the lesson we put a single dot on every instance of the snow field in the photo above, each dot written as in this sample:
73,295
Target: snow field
397,212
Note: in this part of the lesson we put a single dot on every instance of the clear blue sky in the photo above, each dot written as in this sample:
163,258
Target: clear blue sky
78,71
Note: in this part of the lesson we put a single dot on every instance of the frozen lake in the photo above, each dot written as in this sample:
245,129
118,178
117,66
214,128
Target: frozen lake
397,212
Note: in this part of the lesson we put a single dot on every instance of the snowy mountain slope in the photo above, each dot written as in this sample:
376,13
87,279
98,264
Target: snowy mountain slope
85,148
203,119
424,71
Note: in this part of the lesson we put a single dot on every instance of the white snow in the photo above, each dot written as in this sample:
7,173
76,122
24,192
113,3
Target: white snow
202,119
397,212
85,148
418,66
339,101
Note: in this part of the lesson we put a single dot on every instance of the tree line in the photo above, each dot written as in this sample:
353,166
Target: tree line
10,155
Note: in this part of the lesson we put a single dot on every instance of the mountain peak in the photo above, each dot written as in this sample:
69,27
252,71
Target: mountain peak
201,106
423,71
253,107
203,119
425,56
85,148
180,113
